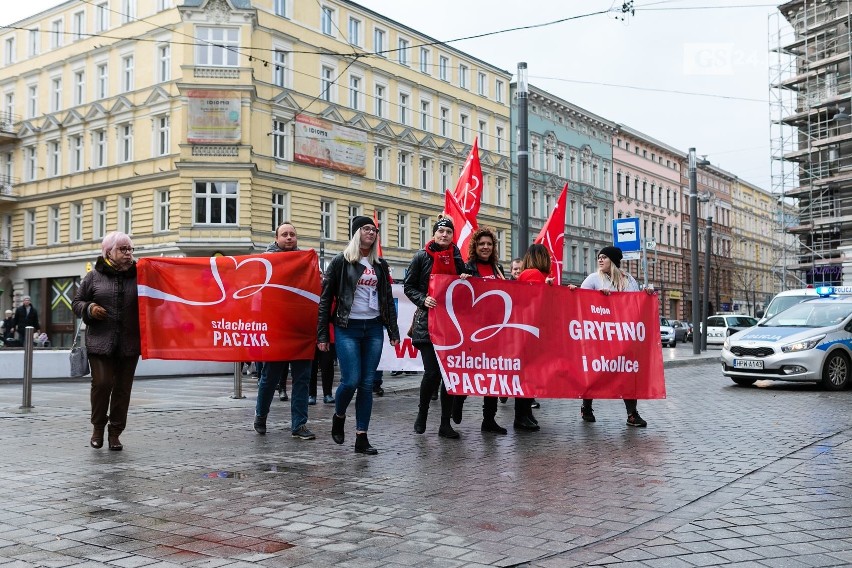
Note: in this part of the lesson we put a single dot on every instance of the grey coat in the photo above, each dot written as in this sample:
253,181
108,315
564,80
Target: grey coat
115,291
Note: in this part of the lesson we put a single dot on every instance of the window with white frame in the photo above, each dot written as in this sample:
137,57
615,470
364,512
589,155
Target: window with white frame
162,209
217,46
102,81
127,73
498,90
280,208
34,41
483,134
30,228
403,172
534,204
99,148
445,121
326,219
78,25
425,61
381,217
355,92
463,72
76,163
163,5
482,84
355,35
425,174
280,9
443,68
464,126
76,222
403,107
380,99
446,172
216,202
402,229
54,225
500,189
326,82
279,71
101,16
57,27
535,158
79,87
499,134
281,140
327,20
379,42
423,231
32,101
128,12
354,211
8,166
402,51
30,163
162,135
425,116
486,183
380,154
125,143
54,158
99,220
125,214
164,63
9,51
55,94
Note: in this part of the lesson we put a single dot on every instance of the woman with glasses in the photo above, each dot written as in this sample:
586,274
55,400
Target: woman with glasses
358,284
107,301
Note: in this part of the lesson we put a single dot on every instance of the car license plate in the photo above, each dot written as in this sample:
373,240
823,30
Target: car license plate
747,364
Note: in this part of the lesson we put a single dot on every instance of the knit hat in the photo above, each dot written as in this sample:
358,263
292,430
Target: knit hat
359,222
614,254
443,222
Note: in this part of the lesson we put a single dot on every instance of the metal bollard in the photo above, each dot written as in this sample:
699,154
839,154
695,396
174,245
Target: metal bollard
28,367
238,380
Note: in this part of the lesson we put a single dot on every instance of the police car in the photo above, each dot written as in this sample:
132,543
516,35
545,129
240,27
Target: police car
808,342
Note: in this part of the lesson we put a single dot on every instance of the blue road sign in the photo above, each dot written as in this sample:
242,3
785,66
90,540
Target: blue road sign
625,234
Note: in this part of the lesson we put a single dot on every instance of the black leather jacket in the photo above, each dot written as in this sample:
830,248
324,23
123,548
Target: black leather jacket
473,267
338,285
416,286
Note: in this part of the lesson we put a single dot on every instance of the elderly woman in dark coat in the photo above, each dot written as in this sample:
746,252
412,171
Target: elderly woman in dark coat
108,303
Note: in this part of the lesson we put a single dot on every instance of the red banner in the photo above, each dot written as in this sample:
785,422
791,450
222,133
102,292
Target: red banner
463,229
261,307
468,190
510,338
552,236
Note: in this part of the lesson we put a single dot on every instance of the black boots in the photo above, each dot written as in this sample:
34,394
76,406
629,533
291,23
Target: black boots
113,441
490,425
362,445
446,431
97,440
337,433
458,406
524,423
260,425
420,421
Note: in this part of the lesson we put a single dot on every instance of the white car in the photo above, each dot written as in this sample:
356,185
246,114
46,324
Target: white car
719,327
667,333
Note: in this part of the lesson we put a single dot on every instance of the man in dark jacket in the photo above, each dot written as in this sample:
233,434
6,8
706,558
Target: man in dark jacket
26,315
285,241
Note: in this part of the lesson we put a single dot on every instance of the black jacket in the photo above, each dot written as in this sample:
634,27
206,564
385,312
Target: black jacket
115,291
338,287
473,267
416,286
22,320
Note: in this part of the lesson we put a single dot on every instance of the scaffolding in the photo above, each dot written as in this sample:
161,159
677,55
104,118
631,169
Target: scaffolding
811,133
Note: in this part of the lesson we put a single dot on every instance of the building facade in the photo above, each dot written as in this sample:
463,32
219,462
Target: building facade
568,144
197,127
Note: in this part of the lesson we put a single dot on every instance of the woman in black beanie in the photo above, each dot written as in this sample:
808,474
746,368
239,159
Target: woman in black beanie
439,256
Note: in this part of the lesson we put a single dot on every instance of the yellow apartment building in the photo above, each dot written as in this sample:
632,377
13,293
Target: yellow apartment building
197,126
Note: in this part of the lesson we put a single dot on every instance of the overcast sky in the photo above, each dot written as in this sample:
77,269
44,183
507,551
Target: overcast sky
605,64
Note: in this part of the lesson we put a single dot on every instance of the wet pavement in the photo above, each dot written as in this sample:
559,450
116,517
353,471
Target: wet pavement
723,475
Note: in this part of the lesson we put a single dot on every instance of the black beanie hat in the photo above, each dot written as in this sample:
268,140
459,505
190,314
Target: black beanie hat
359,222
443,222
614,254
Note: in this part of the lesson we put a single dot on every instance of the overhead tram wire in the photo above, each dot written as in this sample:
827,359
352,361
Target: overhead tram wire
672,91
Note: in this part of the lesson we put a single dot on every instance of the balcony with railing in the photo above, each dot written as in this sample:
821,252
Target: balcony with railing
7,189
7,258
8,127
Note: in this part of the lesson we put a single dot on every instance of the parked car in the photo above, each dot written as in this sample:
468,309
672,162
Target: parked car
667,333
720,327
809,342
682,330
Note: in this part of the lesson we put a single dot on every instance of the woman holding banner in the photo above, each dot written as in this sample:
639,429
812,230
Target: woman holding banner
107,301
358,282
610,278
439,256
482,263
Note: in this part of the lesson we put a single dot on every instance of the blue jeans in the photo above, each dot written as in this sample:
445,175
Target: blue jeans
359,348
299,396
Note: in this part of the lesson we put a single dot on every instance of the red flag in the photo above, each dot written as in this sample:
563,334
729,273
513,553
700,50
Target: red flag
552,236
461,222
378,232
468,190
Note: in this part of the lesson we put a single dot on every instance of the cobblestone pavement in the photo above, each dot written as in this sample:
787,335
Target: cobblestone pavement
723,475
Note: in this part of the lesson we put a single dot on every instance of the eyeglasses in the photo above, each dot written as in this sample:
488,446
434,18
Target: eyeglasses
369,230
126,250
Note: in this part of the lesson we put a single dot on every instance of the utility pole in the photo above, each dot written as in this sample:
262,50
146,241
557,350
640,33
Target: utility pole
707,246
523,163
693,257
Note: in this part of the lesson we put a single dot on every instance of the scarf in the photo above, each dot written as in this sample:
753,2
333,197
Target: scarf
442,260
